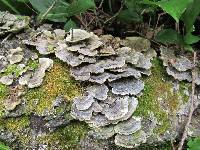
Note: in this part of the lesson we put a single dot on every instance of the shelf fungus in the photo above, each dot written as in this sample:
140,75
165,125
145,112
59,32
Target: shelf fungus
179,67
115,73
112,70
10,23
21,66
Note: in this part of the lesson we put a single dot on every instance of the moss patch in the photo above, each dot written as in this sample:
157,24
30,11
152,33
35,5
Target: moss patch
15,125
158,97
57,82
67,138
185,86
14,68
4,91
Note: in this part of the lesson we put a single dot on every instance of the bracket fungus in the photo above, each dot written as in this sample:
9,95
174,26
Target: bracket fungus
178,66
12,23
115,73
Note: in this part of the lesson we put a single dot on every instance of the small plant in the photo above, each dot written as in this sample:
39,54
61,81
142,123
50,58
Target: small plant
194,144
181,10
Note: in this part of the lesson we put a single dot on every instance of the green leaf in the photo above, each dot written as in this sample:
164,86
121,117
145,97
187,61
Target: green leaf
189,38
54,10
23,1
60,10
194,144
10,6
190,15
132,13
174,8
70,24
169,36
129,17
41,6
188,48
4,147
79,6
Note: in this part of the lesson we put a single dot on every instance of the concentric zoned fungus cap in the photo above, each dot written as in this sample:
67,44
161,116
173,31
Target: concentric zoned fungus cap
127,86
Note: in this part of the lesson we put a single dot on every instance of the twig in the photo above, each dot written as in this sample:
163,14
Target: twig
115,14
102,1
191,109
172,145
48,10
6,38
159,15
31,8
81,21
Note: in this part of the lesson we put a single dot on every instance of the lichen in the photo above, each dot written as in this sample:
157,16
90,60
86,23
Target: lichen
158,97
57,82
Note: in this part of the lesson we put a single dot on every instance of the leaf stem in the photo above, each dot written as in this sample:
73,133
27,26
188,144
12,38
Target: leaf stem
10,6
48,10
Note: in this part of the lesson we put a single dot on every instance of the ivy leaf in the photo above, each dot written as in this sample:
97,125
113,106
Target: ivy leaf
79,6
129,17
169,36
4,147
23,1
189,38
174,8
190,15
54,10
60,10
41,6
194,144
70,24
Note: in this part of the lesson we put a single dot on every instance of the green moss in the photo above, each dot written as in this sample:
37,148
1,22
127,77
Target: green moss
18,126
57,82
158,97
12,69
15,124
4,91
66,138
33,64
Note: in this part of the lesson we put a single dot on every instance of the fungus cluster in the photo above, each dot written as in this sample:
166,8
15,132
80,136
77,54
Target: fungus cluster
178,66
20,66
114,71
